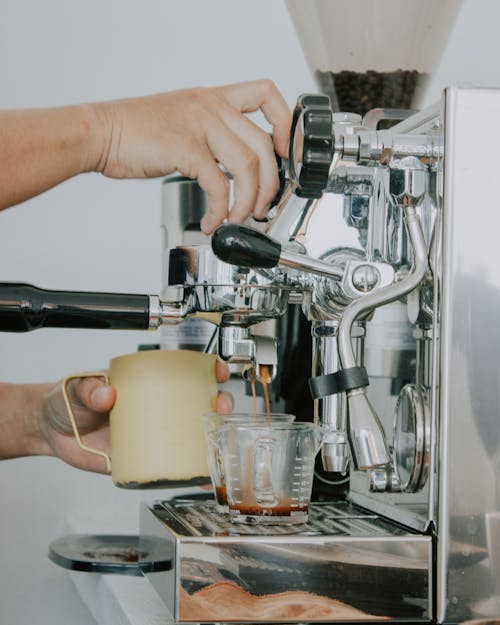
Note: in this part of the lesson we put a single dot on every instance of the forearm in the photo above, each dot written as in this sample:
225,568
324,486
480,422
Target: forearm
20,412
41,148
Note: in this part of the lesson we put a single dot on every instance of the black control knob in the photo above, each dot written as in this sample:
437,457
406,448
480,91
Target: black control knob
311,145
245,247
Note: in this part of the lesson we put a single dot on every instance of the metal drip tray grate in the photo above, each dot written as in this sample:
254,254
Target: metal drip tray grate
200,518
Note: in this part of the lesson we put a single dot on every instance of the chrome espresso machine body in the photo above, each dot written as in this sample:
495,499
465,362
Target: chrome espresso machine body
387,239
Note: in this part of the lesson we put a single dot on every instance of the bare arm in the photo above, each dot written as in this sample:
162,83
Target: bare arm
20,434
41,148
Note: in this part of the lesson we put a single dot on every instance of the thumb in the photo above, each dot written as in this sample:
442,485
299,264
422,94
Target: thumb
95,394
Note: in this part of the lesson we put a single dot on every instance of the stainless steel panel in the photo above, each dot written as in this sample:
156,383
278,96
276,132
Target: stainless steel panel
469,442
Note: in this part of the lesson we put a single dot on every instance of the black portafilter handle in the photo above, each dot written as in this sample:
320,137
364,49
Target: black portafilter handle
245,247
24,307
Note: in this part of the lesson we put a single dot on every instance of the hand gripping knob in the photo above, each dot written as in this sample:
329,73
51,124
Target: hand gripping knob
311,145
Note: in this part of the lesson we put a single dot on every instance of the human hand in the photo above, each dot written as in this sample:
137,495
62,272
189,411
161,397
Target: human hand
193,130
91,400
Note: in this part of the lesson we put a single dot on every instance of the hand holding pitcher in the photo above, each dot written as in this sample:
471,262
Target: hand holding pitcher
91,398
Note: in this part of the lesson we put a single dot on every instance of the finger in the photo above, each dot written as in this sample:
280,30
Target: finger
240,160
221,371
95,394
224,403
216,185
264,95
261,143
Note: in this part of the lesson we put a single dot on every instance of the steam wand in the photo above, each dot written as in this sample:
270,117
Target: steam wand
366,435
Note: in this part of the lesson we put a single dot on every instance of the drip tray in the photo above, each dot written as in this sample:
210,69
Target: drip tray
344,557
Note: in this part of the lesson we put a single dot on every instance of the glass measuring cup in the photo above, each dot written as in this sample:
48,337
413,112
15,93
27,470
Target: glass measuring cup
268,468
215,460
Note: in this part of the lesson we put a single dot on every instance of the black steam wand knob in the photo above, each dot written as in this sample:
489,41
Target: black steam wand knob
245,247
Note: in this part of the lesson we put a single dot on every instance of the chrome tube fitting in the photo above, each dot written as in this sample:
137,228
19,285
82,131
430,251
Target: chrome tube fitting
161,313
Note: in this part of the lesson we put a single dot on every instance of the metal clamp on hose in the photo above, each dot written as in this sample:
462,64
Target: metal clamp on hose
338,382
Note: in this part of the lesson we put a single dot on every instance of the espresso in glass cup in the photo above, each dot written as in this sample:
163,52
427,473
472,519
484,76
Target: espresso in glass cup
215,459
268,469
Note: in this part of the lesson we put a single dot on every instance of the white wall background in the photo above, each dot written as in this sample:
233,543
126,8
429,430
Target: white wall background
93,233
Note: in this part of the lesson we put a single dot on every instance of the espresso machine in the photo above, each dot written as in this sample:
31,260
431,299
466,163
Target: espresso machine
373,239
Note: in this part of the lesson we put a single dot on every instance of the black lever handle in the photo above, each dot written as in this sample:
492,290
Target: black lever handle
245,247
24,307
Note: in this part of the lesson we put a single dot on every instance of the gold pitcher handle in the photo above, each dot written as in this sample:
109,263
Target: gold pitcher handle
91,374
